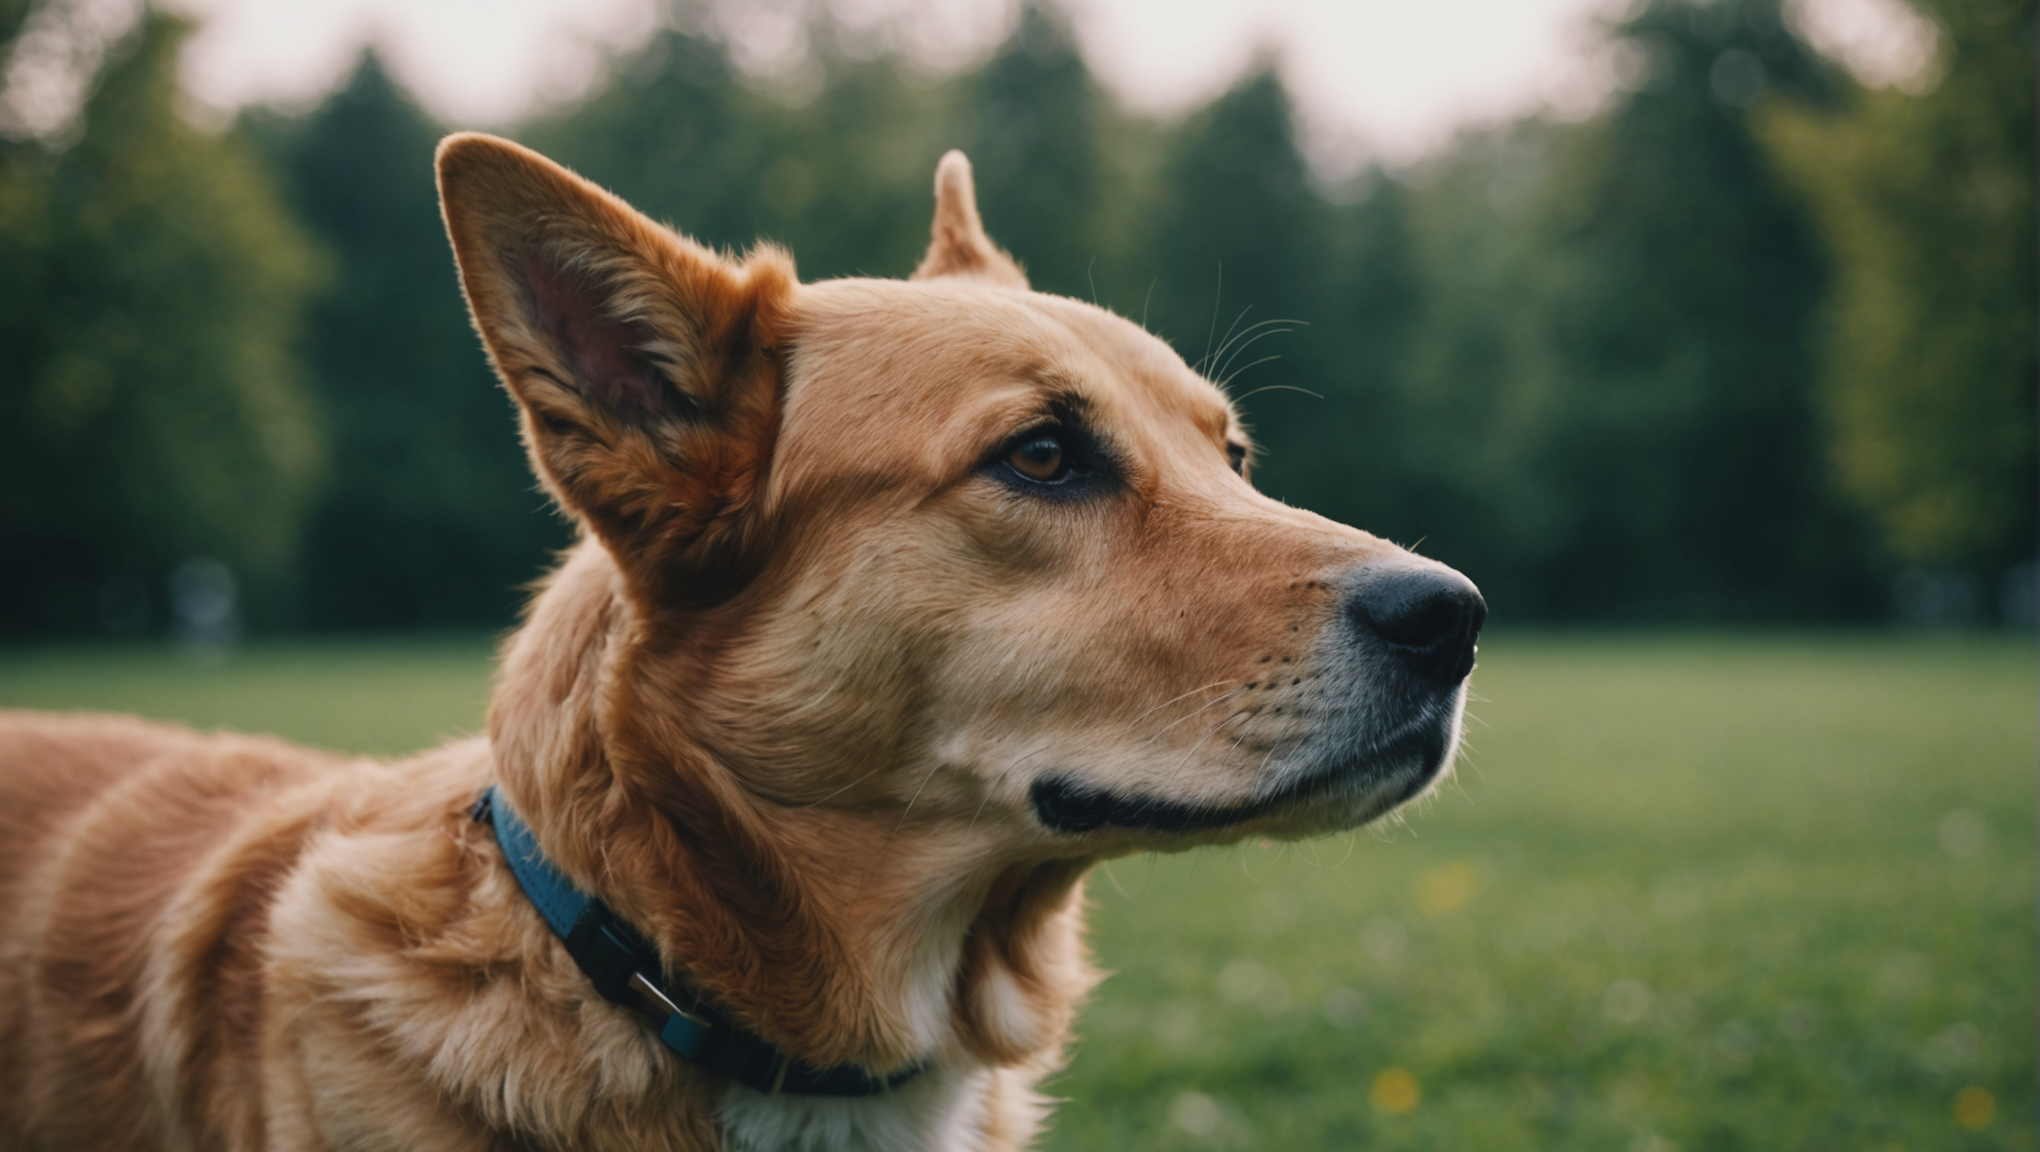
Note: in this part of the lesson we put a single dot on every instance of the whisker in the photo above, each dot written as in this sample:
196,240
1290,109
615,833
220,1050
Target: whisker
1249,342
974,815
1208,734
1147,301
1236,744
1180,719
1264,763
1274,387
1112,876
1352,840
1210,355
911,799
1246,332
1263,360
1224,370
845,788
1003,773
1173,699
1242,333
1228,378
1217,294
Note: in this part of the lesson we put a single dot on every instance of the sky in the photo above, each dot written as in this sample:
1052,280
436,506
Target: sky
1374,80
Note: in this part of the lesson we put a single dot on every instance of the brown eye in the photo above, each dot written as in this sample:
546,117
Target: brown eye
1039,458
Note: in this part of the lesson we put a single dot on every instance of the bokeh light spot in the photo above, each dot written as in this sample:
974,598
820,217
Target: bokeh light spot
1445,889
1975,1108
1196,1113
1395,1091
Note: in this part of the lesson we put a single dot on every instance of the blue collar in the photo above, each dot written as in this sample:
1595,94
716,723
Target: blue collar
625,969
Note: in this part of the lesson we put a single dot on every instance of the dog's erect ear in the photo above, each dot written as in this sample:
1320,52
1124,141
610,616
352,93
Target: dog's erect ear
647,367
959,246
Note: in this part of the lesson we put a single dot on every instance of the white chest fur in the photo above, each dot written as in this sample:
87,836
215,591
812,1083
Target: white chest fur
941,1110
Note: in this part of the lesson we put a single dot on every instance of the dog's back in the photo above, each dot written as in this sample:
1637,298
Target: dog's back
134,859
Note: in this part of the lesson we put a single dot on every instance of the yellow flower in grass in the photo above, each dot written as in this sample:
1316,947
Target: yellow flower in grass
1395,1091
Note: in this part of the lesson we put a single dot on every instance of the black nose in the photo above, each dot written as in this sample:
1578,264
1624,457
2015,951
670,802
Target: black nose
1430,618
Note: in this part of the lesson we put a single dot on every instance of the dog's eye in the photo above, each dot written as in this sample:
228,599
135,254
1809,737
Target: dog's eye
1236,455
1040,458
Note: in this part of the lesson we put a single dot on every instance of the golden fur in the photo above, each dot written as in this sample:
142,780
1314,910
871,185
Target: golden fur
799,706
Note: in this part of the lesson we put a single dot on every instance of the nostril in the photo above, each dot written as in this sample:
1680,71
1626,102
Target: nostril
1419,623
1430,617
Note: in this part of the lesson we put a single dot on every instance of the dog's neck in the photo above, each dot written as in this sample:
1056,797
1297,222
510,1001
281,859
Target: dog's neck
815,927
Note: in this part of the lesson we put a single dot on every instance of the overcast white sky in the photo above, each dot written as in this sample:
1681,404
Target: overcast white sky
1387,79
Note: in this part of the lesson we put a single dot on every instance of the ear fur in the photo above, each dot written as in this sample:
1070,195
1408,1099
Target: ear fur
646,367
959,246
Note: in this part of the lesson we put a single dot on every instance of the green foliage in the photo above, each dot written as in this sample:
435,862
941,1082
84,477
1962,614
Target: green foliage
842,180
1688,893
1033,123
1473,417
430,513
1299,306
1927,203
150,296
1328,397
1235,223
1658,359
1616,368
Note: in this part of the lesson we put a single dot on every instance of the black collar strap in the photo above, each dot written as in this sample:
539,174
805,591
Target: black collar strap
625,969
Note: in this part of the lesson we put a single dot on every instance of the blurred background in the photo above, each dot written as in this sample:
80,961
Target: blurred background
1700,333
1665,311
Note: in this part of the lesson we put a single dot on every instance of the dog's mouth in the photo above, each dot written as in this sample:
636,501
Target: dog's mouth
1372,780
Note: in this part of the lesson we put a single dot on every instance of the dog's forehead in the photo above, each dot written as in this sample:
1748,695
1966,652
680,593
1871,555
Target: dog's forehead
945,364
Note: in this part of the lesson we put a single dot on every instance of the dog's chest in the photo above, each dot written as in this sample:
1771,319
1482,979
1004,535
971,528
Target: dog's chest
941,1110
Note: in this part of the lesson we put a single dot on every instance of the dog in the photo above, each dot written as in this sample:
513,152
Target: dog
896,606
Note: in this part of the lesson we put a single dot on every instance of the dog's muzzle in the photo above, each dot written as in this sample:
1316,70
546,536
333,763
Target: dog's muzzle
1409,636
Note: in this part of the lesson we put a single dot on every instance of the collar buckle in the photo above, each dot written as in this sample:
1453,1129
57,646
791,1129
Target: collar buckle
618,962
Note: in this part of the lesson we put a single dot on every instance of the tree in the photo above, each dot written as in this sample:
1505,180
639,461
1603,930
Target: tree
1926,203
673,133
1030,120
151,285
841,178
1670,368
430,515
1236,247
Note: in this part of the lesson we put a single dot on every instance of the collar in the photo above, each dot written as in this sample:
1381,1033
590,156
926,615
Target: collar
626,970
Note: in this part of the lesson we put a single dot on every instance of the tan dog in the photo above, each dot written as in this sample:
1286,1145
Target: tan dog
899,604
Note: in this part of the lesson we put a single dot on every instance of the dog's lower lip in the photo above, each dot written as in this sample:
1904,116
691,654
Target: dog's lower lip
1065,803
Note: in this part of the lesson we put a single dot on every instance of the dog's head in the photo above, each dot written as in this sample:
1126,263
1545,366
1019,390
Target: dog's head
899,603
948,548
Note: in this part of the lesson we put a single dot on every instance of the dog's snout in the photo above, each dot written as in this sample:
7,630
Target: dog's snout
1429,618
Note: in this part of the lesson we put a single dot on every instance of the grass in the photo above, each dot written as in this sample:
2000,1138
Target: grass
1689,893
382,696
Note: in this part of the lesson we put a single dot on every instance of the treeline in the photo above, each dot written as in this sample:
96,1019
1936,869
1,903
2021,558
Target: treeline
1755,343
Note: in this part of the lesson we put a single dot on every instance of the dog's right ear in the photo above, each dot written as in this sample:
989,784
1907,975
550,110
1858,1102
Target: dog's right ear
647,367
957,244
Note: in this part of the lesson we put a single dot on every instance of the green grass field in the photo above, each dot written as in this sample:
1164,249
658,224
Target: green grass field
1688,892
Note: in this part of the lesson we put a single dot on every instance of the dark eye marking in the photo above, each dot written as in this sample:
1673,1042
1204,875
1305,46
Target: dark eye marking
1057,456
1236,455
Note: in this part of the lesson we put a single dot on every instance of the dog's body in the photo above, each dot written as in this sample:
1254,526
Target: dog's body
898,605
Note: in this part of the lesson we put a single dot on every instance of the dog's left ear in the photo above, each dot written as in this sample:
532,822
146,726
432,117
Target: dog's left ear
959,246
647,367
